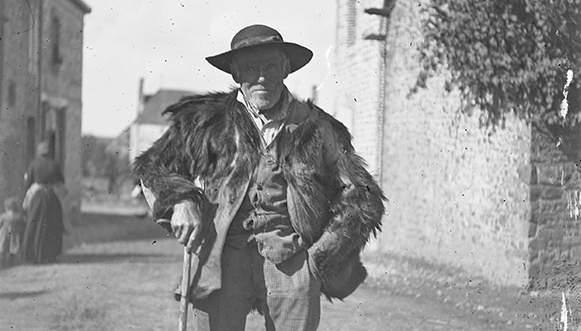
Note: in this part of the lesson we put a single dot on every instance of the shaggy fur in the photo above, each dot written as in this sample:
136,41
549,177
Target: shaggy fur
334,203
201,142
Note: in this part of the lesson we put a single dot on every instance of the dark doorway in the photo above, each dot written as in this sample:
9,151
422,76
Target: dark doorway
30,139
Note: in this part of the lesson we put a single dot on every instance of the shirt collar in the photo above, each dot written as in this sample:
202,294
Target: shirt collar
282,113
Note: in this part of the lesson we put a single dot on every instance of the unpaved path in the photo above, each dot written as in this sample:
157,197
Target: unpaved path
127,284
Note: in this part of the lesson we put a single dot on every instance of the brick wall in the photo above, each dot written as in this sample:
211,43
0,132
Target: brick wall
458,193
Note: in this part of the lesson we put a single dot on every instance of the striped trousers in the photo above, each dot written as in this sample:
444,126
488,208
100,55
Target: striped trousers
287,294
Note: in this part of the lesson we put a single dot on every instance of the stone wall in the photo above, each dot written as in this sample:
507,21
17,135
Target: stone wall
21,121
458,193
358,66
62,90
19,97
555,232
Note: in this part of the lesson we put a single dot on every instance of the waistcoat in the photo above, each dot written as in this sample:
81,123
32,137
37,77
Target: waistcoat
263,218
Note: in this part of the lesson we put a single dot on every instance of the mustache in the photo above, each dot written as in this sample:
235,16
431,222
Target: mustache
262,88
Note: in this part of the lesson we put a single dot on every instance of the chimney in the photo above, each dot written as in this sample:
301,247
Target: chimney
140,97
314,94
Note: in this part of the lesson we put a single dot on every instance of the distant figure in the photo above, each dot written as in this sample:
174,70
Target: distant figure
12,224
112,173
44,218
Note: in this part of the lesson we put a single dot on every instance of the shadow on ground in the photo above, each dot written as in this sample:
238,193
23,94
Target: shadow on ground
107,227
107,258
19,295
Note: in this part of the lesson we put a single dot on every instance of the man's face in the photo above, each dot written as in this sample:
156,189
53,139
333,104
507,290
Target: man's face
260,73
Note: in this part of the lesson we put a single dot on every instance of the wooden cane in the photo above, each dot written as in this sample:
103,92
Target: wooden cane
183,320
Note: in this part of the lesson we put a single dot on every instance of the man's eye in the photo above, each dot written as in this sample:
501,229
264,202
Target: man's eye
251,69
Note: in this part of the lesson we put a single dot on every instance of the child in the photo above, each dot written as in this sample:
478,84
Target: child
12,224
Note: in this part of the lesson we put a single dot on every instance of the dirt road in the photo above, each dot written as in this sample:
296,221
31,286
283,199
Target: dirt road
127,286
127,283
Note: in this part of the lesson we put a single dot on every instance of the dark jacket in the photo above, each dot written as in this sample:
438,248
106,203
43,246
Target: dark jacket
334,203
43,170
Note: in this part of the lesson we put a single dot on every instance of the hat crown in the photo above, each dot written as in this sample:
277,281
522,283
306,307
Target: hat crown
255,35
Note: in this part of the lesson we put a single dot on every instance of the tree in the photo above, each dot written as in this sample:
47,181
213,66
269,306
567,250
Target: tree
94,156
508,56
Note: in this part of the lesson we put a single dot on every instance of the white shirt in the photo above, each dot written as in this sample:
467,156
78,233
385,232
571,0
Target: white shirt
269,128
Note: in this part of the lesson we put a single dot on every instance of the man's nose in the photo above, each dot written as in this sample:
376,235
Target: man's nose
261,74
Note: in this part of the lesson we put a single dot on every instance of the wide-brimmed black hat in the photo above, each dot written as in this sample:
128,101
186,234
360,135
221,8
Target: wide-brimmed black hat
255,36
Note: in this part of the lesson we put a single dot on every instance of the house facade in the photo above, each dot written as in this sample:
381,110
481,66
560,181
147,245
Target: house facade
40,91
149,125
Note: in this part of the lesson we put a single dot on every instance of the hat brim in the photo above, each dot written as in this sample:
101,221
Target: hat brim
298,55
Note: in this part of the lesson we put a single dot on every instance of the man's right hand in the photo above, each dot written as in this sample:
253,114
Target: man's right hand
186,223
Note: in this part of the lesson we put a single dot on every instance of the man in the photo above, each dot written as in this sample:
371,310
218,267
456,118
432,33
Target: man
265,190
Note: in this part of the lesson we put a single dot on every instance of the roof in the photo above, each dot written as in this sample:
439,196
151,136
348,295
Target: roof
155,104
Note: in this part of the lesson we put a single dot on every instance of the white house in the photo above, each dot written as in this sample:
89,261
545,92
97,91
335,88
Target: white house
150,124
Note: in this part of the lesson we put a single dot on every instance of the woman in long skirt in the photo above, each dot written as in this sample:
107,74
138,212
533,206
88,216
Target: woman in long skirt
42,241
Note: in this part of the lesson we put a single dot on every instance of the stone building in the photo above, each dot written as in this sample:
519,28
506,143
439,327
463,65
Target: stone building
503,205
41,44
458,193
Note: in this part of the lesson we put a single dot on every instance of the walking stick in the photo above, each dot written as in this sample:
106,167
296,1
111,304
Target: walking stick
183,320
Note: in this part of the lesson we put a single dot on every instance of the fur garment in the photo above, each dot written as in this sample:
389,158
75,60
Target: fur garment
334,203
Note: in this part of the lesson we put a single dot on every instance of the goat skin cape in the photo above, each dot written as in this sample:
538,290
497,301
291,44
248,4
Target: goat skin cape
334,203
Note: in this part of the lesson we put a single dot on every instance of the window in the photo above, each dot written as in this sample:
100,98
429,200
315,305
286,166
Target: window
53,128
60,144
55,36
42,120
30,139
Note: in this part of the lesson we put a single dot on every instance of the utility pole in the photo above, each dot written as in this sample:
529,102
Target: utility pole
314,94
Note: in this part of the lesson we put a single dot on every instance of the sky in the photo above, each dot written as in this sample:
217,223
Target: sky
166,42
